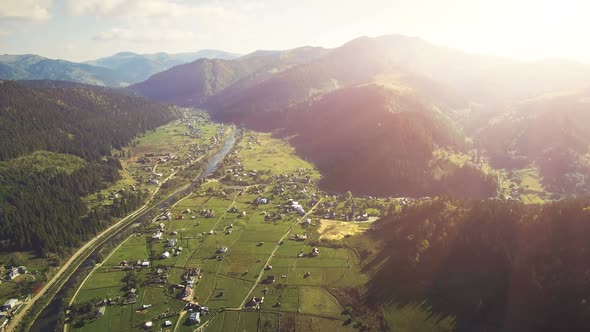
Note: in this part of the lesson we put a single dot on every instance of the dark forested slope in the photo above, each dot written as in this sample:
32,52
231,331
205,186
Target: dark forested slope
40,191
78,120
495,265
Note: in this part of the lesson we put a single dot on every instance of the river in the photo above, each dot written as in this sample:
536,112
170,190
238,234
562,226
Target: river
48,318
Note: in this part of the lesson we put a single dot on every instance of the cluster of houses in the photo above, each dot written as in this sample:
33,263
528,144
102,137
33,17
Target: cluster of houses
131,296
14,272
299,237
255,302
137,265
161,275
174,250
294,206
120,193
8,308
196,312
189,278
272,216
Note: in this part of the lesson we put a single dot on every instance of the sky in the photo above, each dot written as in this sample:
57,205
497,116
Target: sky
80,30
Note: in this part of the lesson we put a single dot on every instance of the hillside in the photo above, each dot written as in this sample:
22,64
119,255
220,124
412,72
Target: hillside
56,145
382,142
551,132
494,265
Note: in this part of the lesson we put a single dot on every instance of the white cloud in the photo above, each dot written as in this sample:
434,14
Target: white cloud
130,9
36,10
145,21
144,35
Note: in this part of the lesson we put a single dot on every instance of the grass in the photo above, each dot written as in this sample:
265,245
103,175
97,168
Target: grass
133,249
525,184
47,163
313,300
270,154
337,230
416,317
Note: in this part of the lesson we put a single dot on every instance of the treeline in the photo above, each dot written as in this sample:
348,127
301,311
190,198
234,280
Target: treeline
78,120
40,192
495,265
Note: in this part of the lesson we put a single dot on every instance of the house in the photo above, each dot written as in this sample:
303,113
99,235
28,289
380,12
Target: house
255,302
100,311
148,325
167,323
315,252
306,222
171,243
10,304
302,237
157,236
14,272
145,264
222,250
270,279
166,255
195,318
186,293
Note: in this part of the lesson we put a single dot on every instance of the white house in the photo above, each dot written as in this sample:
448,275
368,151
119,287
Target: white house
10,304
166,254
14,272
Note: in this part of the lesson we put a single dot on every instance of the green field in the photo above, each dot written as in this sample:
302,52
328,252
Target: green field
212,217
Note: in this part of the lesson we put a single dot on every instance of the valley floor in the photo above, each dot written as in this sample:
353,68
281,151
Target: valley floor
243,251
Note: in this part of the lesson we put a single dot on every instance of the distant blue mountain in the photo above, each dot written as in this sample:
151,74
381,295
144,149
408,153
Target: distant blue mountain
121,69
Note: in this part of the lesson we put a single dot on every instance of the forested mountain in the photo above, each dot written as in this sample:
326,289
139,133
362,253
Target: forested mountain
40,191
82,121
133,67
495,265
382,142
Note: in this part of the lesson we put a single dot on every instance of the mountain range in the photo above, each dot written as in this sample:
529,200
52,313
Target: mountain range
117,70
500,108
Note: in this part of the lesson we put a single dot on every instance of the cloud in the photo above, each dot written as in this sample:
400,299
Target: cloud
145,21
130,9
35,10
146,35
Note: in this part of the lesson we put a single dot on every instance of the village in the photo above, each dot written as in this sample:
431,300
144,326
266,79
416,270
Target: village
246,243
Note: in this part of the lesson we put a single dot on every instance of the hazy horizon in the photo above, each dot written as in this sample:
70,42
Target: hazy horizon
80,31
